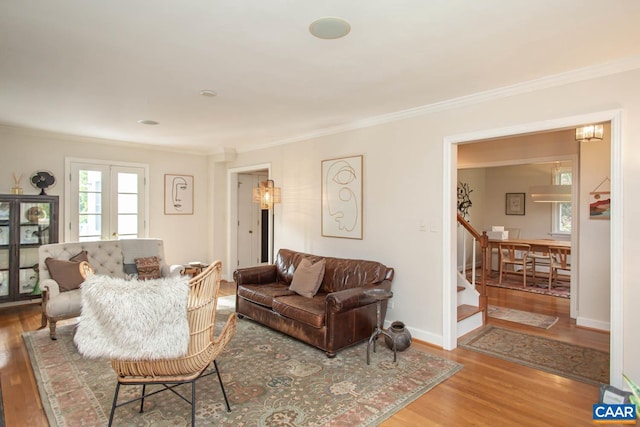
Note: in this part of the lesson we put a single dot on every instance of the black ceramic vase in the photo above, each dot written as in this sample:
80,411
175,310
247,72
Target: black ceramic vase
400,334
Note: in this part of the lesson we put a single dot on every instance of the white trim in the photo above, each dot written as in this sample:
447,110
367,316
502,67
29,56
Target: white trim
617,243
554,80
232,213
449,229
593,324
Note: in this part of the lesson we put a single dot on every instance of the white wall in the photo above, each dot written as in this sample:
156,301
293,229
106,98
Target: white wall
594,264
403,182
186,237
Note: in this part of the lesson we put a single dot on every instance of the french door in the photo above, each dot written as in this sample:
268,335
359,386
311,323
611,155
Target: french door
106,201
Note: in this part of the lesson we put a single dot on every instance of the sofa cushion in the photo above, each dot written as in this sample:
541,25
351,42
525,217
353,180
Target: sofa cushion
307,278
264,294
148,268
339,274
67,273
302,309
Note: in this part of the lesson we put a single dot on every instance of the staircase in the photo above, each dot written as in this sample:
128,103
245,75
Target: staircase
472,295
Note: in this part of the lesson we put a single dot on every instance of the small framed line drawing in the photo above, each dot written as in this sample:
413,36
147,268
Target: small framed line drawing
342,197
178,194
514,204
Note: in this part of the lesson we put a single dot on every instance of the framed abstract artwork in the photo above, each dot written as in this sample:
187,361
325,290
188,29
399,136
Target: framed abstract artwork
178,194
514,204
342,197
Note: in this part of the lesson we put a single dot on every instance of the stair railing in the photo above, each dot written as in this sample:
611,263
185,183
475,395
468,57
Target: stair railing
483,240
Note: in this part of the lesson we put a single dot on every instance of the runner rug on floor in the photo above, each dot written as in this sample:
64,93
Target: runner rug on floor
523,317
270,379
557,357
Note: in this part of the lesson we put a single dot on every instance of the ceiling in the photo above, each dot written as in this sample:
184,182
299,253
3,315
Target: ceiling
94,68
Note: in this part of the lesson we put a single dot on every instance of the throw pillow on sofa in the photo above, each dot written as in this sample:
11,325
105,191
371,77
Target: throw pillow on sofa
148,268
68,274
307,278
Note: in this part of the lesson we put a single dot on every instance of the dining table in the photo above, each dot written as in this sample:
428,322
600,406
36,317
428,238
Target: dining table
537,245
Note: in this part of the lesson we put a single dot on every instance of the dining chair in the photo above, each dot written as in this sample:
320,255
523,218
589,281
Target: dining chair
514,254
514,233
204,347
559,261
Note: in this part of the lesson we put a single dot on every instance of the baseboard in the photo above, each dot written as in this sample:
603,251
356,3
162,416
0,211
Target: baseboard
424,336
593,324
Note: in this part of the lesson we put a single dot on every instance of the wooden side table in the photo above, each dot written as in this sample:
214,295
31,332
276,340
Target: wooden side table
193,269
379,295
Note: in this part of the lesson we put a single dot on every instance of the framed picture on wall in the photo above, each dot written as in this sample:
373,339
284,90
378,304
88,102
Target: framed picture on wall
178,194
514,204
342,197
600,205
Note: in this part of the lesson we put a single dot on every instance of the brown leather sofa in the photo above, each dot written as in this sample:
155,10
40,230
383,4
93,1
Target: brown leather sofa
339,314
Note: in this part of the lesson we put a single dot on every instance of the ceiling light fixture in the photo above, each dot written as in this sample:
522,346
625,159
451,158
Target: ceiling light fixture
330,28
208,92
591,132
148,122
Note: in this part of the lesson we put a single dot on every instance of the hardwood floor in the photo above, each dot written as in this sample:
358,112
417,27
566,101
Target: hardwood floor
486,392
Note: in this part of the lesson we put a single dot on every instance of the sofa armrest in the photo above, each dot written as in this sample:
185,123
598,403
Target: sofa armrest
355,297
256,275
174,270
51,287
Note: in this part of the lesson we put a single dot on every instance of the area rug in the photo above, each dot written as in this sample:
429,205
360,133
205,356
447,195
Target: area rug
567,360
556,291
270,380
515,282
523,317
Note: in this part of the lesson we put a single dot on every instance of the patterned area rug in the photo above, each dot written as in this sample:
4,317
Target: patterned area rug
523,317
567,360
556,291
270,379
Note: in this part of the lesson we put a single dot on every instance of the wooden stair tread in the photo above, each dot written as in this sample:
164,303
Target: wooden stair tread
461,288
465,311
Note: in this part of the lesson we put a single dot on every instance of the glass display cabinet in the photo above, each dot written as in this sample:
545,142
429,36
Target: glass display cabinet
26,222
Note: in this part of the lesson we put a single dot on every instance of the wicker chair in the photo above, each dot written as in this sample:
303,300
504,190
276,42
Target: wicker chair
202,352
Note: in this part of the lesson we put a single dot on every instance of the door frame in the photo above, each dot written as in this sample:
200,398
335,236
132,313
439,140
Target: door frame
232,213
449,243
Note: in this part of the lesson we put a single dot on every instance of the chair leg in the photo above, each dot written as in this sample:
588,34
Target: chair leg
144,387
113,406
52,329
226,401
193,403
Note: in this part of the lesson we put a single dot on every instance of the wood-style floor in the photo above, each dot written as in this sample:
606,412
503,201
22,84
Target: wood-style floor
486,392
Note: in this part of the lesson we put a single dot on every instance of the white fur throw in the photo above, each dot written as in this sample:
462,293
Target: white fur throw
133,320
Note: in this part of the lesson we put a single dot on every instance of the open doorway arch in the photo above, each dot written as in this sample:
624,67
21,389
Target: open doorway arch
449,332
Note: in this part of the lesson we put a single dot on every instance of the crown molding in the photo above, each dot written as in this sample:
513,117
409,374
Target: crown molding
555,80
67,137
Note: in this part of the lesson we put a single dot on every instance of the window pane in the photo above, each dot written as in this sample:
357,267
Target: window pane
90,225
90,180
127,204
128,183
565,217
127,224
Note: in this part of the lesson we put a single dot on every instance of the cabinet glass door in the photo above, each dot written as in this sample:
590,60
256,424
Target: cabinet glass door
35,223
5,229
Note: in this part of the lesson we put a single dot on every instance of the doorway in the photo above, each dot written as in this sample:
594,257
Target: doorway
449,223
253,224
234,235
